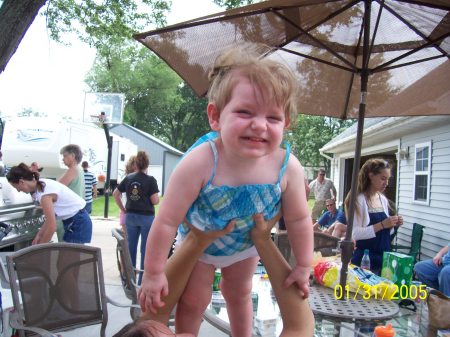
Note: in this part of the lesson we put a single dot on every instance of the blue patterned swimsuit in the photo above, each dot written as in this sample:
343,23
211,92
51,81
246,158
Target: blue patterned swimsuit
216,206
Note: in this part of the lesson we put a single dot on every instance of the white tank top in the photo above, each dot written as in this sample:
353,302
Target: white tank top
68,203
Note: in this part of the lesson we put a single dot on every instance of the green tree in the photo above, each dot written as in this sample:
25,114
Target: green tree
96,22
310,133
230,4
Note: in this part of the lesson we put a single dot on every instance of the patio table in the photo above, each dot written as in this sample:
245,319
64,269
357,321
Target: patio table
355,318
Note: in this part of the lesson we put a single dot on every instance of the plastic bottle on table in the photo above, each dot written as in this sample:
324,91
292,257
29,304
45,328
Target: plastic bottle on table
365,262
384,331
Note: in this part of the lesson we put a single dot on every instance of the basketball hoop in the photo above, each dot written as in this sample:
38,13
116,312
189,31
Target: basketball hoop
100,119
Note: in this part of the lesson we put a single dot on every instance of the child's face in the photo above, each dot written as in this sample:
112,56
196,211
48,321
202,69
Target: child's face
247,124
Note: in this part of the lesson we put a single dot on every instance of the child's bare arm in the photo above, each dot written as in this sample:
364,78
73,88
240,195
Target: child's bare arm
183,188
180,265
298,224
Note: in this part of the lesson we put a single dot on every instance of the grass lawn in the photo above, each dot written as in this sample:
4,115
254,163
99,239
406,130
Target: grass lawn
98,207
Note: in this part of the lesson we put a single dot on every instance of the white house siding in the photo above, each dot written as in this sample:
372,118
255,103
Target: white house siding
435,216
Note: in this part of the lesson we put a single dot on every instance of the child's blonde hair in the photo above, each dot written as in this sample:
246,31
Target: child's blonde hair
275,80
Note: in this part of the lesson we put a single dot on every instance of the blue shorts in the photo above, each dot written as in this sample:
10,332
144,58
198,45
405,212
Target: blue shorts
78,229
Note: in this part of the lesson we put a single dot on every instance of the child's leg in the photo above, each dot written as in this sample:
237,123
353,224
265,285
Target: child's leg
195,299
236,286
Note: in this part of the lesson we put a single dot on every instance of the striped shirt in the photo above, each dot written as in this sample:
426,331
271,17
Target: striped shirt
90,182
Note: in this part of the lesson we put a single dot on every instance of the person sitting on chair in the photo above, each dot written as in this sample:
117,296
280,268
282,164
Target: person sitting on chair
435,272
332,221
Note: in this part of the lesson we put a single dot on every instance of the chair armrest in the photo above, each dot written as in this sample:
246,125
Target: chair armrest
216,322
122,305
397,247
16,324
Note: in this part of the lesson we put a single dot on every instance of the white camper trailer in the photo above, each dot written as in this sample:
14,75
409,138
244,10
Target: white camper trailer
40,139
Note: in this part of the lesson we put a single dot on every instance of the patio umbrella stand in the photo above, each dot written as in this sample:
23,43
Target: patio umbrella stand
390,45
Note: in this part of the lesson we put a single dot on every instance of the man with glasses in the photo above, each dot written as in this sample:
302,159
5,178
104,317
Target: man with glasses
323,189
332,221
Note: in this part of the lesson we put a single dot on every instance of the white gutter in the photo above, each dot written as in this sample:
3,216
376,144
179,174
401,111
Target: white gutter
373,129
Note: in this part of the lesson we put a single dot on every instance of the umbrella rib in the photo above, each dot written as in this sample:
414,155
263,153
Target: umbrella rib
377,70
329,17
377,24
331,51
425,4
414,29
198,22
383,66
352,70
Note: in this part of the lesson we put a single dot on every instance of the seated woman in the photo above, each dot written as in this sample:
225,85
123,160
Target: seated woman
296,314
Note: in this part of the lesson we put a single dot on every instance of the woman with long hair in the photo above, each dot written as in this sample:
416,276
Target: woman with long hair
372,224
142,194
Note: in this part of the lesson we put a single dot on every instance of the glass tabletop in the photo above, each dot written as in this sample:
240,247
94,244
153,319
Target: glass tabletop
267,318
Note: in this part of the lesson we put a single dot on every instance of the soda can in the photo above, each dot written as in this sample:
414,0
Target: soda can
216,283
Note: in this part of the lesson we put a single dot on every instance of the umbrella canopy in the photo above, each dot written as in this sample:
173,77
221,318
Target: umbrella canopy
350,56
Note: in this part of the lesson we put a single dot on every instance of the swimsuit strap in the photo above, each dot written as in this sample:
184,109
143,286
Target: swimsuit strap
214,150
280,175
285,162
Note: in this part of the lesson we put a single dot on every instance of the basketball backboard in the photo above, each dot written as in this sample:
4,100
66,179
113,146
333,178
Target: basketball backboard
102,108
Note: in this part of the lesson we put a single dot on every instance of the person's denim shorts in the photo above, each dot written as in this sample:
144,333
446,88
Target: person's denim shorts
78,229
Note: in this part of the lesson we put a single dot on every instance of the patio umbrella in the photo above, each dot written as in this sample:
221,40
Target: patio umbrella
350,56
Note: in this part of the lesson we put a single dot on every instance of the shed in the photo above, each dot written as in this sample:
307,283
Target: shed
163,157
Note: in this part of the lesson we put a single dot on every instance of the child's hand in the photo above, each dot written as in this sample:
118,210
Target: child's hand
299,276
153,288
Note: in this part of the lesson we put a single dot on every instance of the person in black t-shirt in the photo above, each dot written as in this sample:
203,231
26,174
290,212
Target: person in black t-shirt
142,194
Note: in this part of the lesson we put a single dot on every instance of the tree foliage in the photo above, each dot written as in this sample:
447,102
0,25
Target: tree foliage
100,22
310,133
230,4
96,22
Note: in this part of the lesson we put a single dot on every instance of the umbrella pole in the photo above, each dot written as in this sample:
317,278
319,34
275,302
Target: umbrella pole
347,243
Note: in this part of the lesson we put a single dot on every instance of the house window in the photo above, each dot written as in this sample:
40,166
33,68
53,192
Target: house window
422,173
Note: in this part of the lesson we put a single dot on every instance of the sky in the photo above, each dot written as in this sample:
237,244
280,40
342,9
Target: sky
49,77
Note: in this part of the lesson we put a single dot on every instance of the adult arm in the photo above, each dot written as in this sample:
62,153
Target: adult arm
154,198
437,259
94,191
68,176
48,228
185,183
118,199
296,314
361,228
333,190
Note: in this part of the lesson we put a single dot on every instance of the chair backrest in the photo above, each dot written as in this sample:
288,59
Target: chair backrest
126,270
325,243
58,286
416,241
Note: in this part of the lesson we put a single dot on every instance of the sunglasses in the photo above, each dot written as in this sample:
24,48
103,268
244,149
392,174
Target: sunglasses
321,174
330,205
